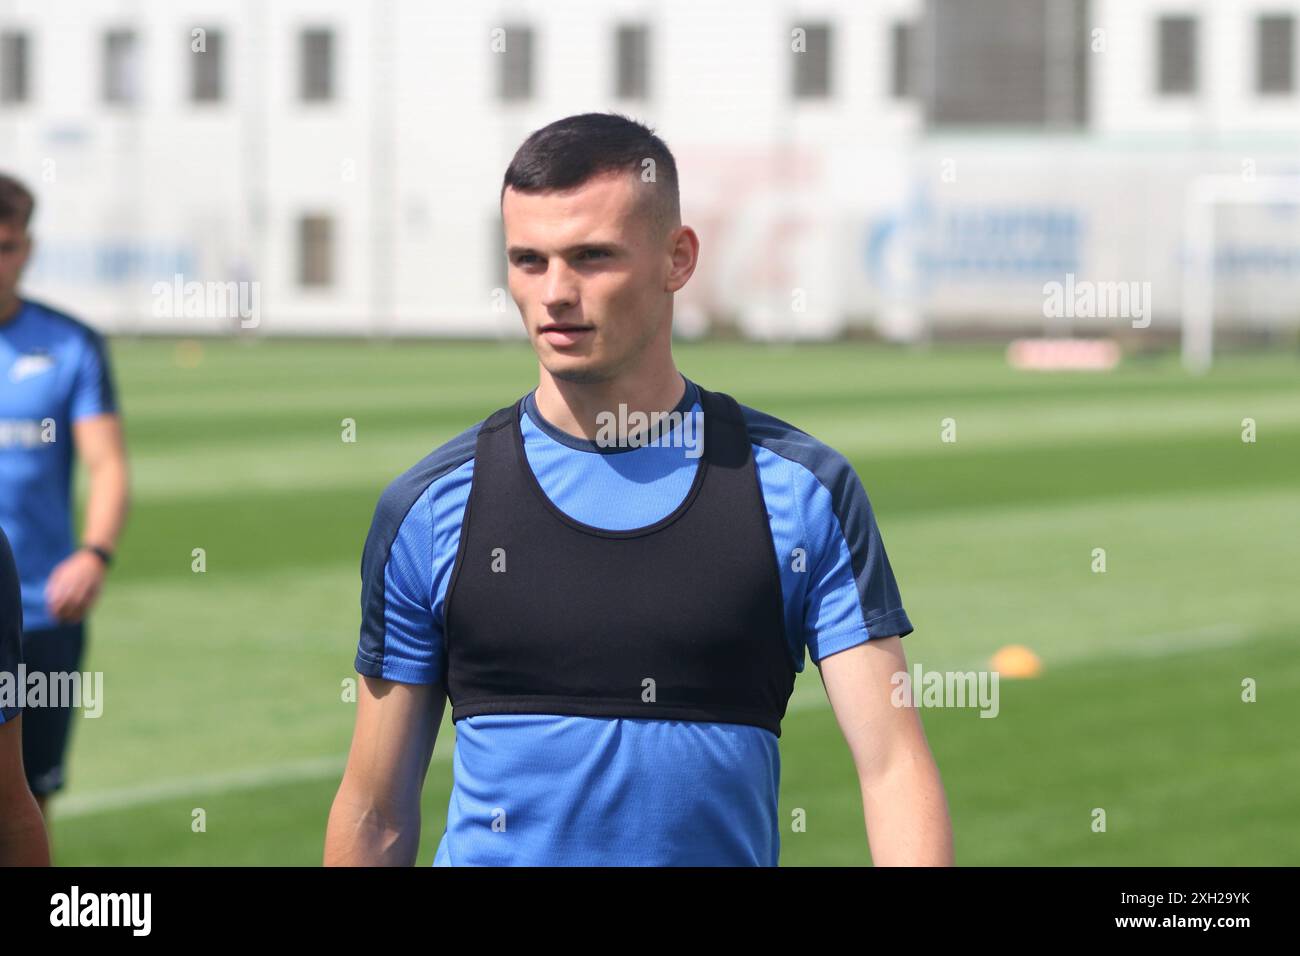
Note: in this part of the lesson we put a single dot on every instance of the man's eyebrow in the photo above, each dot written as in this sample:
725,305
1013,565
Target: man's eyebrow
608,246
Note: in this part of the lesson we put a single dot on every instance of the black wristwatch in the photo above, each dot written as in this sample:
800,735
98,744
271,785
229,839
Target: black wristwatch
102,553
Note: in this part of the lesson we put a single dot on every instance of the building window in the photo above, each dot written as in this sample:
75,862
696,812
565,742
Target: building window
121,67
515,79
1275,54
315,251
206,66
812,61
633,59
13,67
316,62
902,61
1030,58
1176,58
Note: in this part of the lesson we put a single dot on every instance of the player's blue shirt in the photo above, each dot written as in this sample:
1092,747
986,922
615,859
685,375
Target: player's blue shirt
54,371
11,626
623,791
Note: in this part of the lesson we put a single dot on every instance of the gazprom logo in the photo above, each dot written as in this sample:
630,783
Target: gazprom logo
26,432
923,245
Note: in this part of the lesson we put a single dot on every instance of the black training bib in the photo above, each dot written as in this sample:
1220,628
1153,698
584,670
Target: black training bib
680,620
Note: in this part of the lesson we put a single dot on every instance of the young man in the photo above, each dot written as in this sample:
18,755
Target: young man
56,393
22,832
617,623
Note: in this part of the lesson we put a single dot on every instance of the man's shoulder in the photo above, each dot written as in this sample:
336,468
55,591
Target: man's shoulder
823,462
407,488
59,323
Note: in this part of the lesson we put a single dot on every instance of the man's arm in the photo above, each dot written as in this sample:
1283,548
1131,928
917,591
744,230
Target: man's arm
75,582
22,829
903,801
375,819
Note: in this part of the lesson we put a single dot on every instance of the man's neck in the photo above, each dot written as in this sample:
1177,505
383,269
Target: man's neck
9,310
573,407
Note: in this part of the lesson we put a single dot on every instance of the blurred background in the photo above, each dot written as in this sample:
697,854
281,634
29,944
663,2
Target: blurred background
1033,265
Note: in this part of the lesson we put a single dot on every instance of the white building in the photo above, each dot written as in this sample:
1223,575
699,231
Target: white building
901,163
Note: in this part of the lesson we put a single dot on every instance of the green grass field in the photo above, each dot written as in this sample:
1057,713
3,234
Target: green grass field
222,690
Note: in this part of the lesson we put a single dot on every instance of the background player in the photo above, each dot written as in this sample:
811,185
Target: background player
56,393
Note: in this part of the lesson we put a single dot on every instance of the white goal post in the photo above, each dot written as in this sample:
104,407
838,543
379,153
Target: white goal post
1205,197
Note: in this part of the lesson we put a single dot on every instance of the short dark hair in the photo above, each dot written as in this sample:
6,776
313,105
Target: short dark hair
16,202
570,151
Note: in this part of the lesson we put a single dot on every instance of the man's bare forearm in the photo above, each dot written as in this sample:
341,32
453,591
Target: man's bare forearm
107,503
23,840
375,820
906,814
362,834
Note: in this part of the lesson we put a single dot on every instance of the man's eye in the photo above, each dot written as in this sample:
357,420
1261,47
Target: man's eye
595,252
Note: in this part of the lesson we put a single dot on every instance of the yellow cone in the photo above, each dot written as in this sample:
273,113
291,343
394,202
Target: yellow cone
189,353
1016,660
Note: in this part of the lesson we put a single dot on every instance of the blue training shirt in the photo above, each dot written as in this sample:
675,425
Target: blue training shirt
622,791
54,371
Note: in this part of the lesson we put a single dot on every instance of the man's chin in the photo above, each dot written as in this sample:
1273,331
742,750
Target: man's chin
579,371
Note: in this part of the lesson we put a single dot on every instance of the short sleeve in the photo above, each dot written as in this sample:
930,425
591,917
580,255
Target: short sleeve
401,639
93,392
11,630
852,595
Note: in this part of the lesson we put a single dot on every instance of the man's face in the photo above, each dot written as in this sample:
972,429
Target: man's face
588,258
14,248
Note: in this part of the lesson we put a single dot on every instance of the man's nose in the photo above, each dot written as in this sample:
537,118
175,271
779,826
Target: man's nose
559,288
